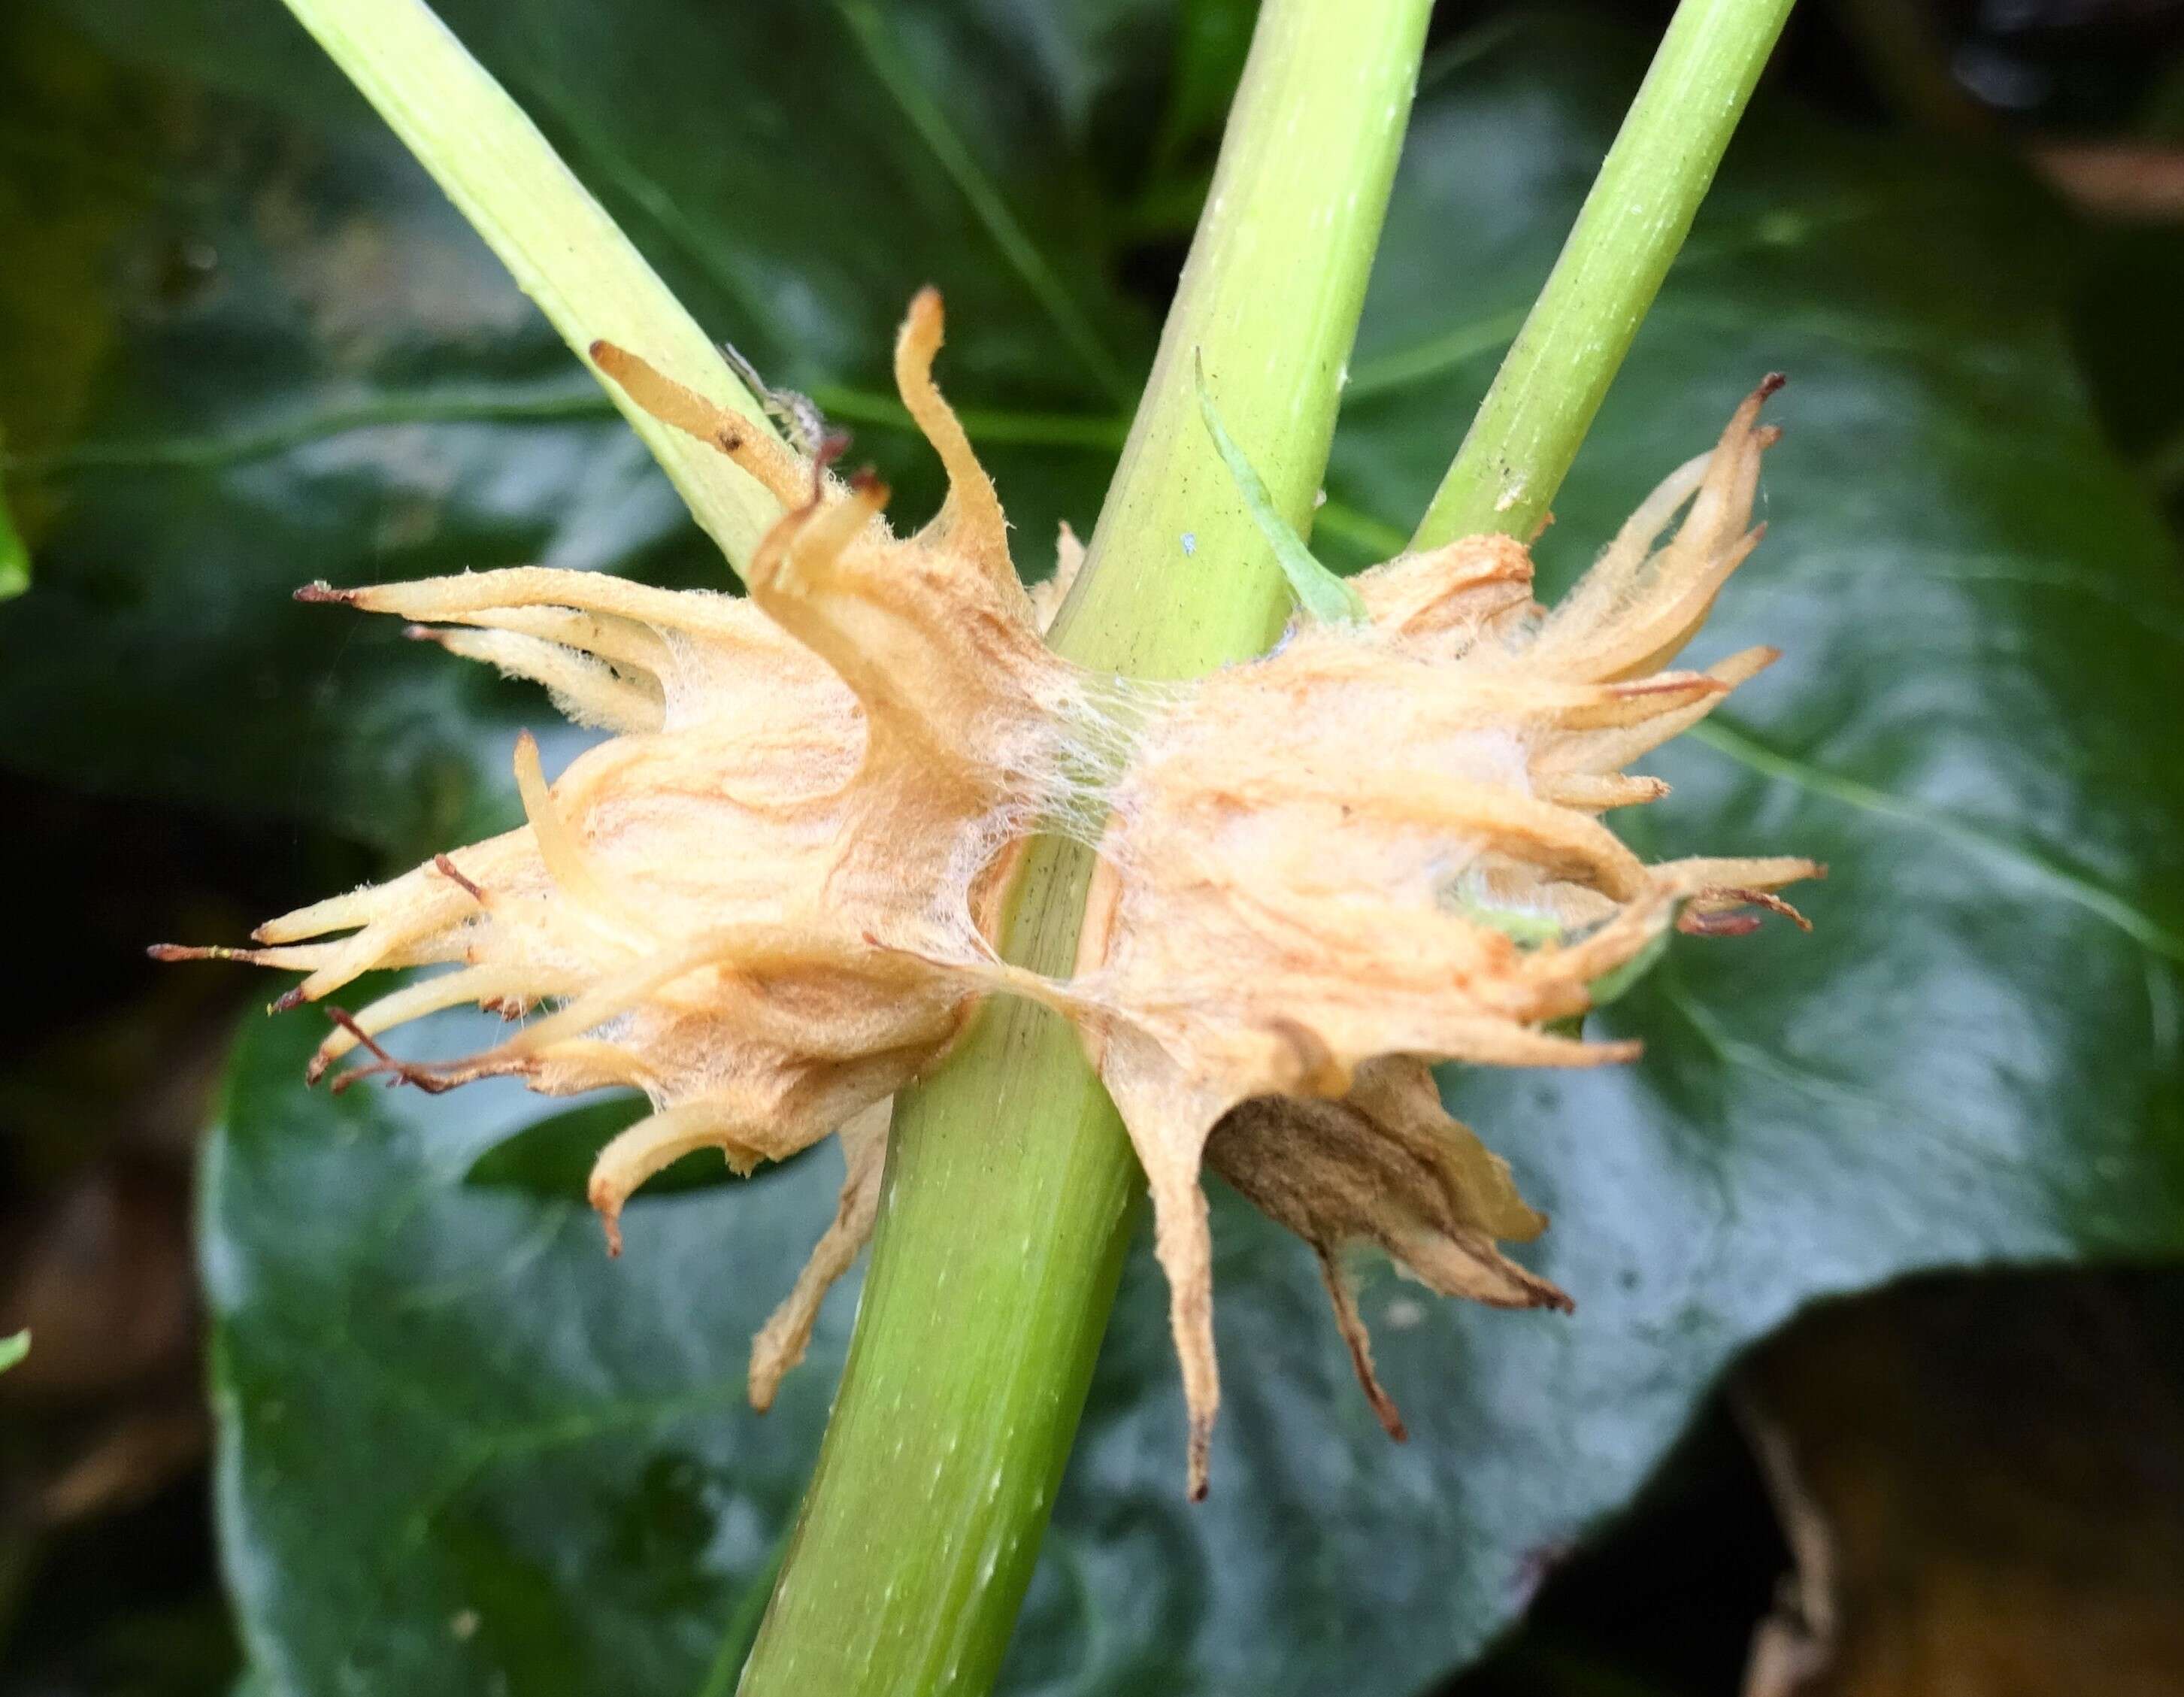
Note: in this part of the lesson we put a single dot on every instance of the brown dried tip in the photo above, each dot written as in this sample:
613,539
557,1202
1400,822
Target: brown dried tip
1773,904
1351,1324
324,591
347,1022
447,869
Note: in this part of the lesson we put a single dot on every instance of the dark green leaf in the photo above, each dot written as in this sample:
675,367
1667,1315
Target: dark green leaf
301,364
553,1157
461,1445
286,358
2125,325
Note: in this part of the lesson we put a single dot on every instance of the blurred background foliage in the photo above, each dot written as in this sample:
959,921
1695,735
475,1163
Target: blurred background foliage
243,344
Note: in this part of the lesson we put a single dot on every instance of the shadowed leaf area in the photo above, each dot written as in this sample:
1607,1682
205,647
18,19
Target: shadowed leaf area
459,1449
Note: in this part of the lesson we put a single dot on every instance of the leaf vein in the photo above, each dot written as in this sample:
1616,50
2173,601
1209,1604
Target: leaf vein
2095,898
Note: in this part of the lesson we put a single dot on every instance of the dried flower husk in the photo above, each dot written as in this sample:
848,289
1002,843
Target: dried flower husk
732,903
1378,847
1383,1164
767,900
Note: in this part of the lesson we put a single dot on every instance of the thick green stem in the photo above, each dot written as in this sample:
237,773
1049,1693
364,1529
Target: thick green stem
557,242
1521,445
1010,1181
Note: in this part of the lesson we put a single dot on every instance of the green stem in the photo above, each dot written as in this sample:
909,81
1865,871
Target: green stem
1521,445
15,558
555,239
1010,1181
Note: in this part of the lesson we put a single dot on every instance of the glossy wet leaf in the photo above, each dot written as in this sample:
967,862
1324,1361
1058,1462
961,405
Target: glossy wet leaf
552,1157
289,360
296,362
458,1444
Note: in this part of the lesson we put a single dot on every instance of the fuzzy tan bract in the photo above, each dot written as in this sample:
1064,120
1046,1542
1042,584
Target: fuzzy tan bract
767,900
1379,846
729,904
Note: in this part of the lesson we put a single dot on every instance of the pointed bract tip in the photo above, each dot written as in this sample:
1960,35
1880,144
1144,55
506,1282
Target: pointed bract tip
1199,1454
447,869
600,1193
288,1002
617,362
322,591
168,952
1771,384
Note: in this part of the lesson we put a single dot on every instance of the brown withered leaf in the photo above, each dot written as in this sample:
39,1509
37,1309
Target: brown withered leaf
1978,1479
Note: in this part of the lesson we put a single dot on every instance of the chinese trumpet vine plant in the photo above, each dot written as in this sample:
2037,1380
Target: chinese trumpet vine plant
1197,856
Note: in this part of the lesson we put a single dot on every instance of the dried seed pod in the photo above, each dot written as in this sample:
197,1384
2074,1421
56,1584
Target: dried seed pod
1383,1164
728,905
1379,846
